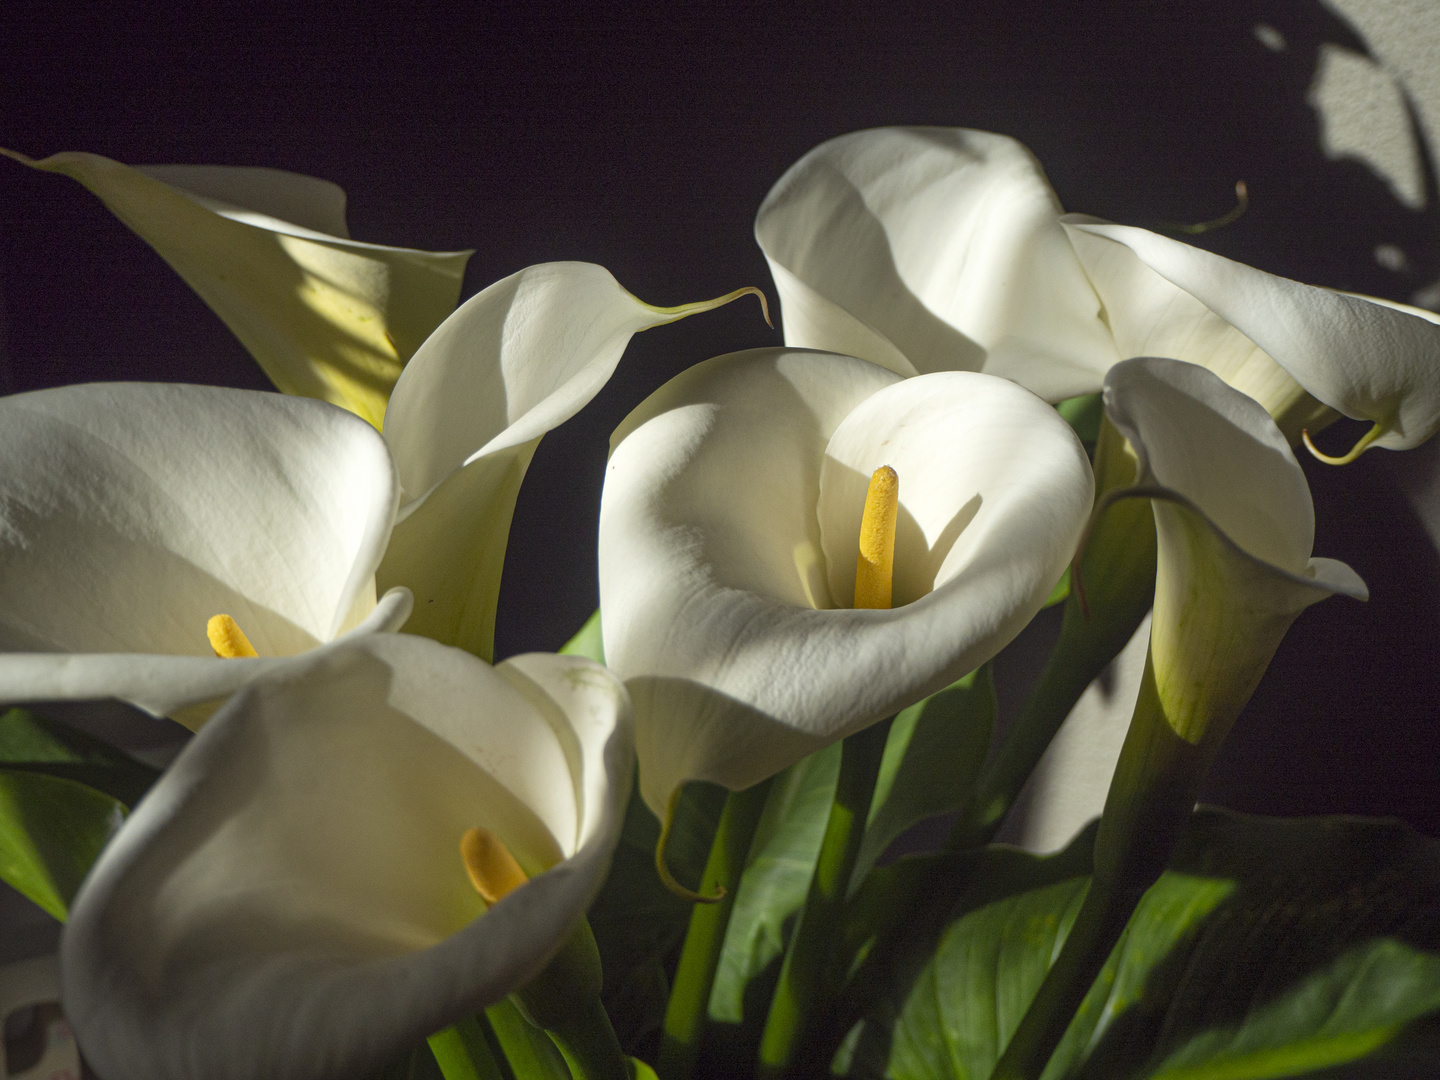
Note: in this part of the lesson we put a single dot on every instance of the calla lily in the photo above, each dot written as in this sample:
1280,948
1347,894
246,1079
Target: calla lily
132,513
933,249
1235,526
291,900
325,316
729,527
514,361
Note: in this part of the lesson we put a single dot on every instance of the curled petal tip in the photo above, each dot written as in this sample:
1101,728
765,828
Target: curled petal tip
662,868
1359,448
1242,203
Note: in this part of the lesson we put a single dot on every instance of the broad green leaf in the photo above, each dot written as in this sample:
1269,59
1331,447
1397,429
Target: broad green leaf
772,889
36,743
586,641
640,1071
932,757
1270,948
51,831
637,922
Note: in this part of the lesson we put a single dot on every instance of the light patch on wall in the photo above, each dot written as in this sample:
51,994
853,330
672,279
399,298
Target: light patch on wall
1363,116
1271,38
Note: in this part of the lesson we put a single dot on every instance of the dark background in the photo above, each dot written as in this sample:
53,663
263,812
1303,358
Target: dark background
645,142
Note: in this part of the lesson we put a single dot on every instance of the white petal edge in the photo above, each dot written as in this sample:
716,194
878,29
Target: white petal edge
712,565
247,924
940,244
130,513
1368,360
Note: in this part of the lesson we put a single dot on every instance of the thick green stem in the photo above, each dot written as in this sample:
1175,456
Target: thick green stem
462,1052
690,995
1151,799
805,988
1117,576
589,1045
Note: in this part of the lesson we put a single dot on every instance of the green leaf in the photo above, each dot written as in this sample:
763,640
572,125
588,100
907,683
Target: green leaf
932,758
638,922
1270,948
51,831
772,889
587,641
418,1063
36,743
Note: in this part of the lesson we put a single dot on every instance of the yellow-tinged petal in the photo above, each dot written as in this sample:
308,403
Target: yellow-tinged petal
324,316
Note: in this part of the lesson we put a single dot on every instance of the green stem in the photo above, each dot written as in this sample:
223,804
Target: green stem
528,1050
1152,796
1093,935
804,988
1117,574
589,1045
462,1052
700,957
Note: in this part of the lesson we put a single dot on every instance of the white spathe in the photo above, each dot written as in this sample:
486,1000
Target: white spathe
1235,527
515,361
269,251
130,513
729,529
290,900
929,249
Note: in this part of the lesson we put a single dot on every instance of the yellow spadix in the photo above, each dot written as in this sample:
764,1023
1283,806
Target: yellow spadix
227,639
492,869
875,565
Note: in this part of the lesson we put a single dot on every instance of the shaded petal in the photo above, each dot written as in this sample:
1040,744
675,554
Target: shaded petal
1234,532
1365,359
290,900
1150,316
716,551
130,513
162,685
514,361
939,246
325,316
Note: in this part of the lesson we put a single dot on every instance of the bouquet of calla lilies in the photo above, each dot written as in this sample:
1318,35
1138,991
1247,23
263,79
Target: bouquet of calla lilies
663,849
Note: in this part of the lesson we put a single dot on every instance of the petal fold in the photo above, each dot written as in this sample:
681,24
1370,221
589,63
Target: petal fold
933,249
727,526
131,513
516,360
290,899
1364,358
324,316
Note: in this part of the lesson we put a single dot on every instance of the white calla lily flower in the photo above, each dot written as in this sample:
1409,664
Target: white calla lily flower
515,361
130,514
729,527
1235,526
291,899
928,249
269,251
